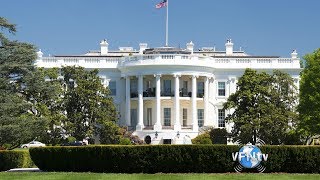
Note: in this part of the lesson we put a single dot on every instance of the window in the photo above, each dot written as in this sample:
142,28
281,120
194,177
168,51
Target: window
184,116
185,89
134,88
167,116
221,88
200,89
221,118
149,116
167,87
200,117
113,88
133,117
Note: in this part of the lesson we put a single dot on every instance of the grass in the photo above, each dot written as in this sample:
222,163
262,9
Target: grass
96,176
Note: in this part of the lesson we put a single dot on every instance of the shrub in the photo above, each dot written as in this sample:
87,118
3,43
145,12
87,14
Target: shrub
218,136
202,139
15,159
170,159
125,141
71,139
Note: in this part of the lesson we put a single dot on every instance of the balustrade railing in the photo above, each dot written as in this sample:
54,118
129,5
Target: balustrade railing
168,58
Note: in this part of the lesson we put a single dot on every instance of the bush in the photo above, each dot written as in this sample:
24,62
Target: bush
71,139
202,139
170,159
218,136
125,141
15,159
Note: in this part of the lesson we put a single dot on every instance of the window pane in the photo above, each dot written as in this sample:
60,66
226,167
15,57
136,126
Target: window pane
221,88
184,117
200,89
133,117
113,88
167,116
200,117
167,87
221,118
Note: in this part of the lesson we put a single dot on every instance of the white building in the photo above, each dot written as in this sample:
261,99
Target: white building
168,94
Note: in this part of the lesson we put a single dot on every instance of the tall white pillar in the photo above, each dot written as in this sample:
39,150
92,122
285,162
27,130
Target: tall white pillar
140,125
195,126
158,125
128,100
206,100
177,125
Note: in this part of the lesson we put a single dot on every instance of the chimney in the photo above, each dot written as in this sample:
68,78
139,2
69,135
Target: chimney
190,47
229,47
39,54
294,54
143,46
104,47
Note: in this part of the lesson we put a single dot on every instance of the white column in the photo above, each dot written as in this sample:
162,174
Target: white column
206,100
140,125
128,100
158,125
177,125
194,104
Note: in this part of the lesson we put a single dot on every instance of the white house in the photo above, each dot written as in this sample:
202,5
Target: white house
169,94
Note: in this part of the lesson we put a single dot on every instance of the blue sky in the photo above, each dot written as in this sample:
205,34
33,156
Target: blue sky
269,27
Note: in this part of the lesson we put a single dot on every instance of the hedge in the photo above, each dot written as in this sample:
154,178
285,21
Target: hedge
15,159
170,159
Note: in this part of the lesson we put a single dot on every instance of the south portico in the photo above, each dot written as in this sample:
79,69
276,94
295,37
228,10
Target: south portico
169,102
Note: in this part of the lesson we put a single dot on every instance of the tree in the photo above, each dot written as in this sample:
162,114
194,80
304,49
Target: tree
44,91
88,106
263,107
202,139
309,106
17,123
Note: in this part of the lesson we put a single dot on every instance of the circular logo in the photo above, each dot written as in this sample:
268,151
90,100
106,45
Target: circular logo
250,156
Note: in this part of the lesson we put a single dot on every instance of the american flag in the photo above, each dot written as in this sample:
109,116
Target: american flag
161,4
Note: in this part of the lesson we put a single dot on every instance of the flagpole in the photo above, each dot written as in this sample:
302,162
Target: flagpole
167,24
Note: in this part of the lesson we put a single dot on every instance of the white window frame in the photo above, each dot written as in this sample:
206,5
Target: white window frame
200,117
167,116
221,118
218,88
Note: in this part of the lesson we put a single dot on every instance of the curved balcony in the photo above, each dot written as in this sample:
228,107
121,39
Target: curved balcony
165,59
193,61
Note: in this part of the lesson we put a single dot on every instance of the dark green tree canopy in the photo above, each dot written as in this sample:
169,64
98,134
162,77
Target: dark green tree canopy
17,122
87,102
309,106
262,107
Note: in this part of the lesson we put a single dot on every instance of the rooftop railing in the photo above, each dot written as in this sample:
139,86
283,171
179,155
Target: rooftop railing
169,59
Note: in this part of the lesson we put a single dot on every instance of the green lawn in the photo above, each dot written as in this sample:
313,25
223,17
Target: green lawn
94,176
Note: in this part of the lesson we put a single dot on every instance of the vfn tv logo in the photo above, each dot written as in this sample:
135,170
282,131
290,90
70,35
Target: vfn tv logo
249,156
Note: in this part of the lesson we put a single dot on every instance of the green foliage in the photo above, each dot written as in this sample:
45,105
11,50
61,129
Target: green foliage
15,159
309,97
135,159
89,108
125,141
71,139
262,107
170,159
109,132
218,136
202,139
18,124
